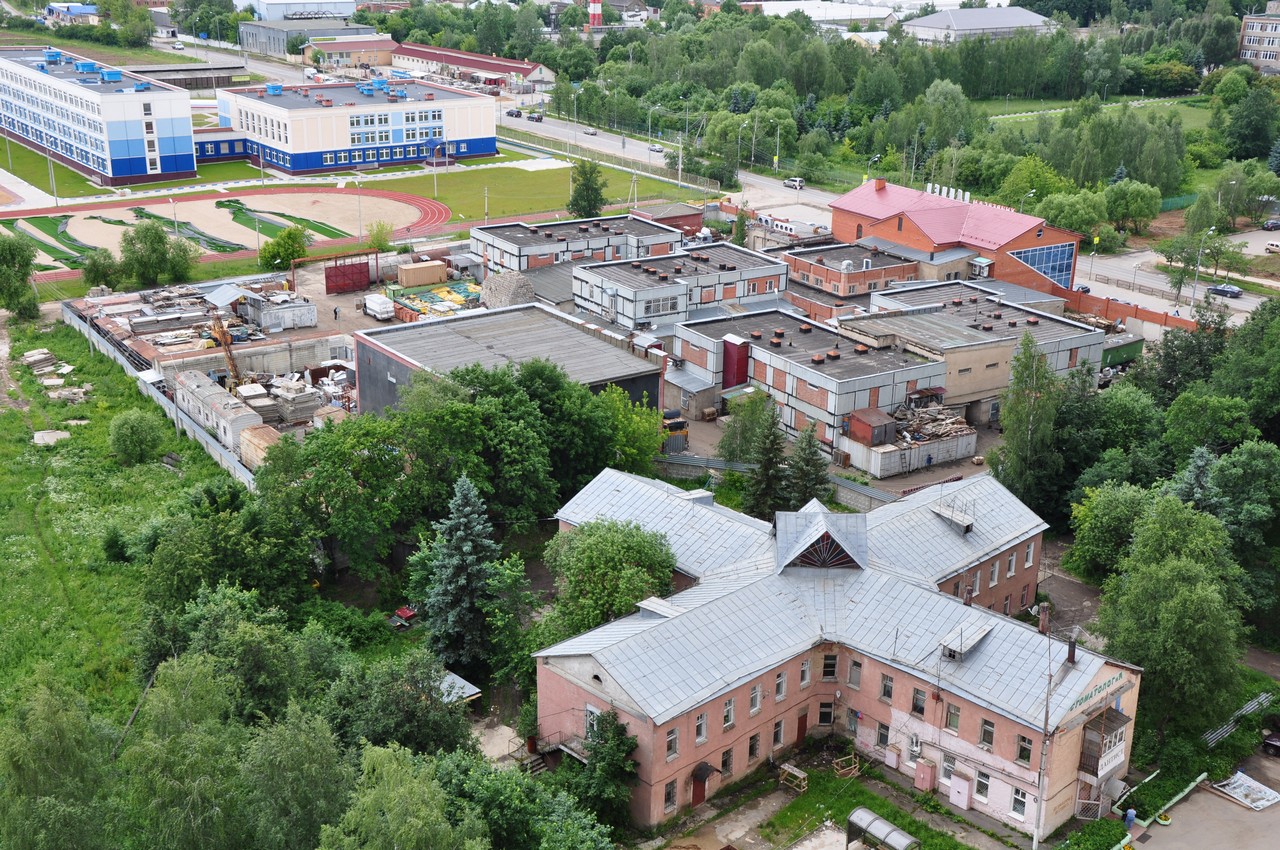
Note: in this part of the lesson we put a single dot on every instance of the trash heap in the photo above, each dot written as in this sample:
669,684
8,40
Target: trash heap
930,423
52,375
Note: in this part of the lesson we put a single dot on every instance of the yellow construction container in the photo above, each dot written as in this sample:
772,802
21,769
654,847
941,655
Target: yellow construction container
422,274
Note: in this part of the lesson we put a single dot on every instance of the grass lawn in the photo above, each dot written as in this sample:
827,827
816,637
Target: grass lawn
516,192
213,172
34,168
62,606
831,798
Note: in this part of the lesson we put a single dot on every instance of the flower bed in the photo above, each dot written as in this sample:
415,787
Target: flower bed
1156,793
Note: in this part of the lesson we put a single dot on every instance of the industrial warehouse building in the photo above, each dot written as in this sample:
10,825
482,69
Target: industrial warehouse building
387,358
304,128
865,626
113,126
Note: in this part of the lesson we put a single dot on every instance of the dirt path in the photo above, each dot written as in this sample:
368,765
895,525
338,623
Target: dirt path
10,395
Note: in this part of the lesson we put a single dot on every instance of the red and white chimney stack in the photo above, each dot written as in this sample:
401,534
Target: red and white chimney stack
595,13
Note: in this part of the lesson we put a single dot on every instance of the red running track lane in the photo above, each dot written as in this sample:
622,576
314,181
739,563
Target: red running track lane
430,214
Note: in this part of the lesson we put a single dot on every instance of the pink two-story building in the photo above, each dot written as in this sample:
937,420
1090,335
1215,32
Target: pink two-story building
826,628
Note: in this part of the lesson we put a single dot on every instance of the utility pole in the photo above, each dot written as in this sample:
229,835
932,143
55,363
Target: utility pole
777,154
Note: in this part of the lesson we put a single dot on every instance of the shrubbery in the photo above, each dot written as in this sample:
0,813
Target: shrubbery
1096,835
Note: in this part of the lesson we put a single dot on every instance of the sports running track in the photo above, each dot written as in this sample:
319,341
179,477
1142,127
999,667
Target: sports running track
431,214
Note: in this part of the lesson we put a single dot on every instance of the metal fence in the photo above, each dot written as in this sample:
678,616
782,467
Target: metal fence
1178,202
687,179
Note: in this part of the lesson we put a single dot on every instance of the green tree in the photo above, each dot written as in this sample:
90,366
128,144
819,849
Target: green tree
1026,463
135,436
748,416
1199,418
765,491
17,264
1031,174
1247,367
451,575
1173,619
588,198
380,236
807,475
290,244
602,569
1103,524
54,771
295,780
1171,365
634,429
398,806
1078,211
1132,205
1273,158
402,700
1252,128
604,784
740,227
100,268
146,253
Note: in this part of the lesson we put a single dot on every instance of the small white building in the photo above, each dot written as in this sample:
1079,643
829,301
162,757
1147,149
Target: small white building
993,22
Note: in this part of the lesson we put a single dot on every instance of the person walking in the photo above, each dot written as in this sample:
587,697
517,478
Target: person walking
1130,816
335,314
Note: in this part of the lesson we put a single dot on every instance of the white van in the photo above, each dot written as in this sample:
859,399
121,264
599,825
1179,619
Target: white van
1272,248
379,307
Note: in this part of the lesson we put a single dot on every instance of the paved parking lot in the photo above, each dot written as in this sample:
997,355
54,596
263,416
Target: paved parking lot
1205,819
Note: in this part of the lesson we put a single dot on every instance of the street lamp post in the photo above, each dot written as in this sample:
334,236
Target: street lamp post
359,215
575,117
738,162
173,206
651,108
1196,282
1136,266
1030,194
1229,183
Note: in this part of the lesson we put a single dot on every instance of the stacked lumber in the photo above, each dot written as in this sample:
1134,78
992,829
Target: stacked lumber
930,423
296,401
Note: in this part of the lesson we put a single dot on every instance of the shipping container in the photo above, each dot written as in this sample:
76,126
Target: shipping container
422,274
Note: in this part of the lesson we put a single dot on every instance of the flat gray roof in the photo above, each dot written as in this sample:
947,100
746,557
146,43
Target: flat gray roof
704,259
512,335
668,210
801,347
921,293
955,325
535,234
346,94
553,283
832,256
947,256
302,24
31,57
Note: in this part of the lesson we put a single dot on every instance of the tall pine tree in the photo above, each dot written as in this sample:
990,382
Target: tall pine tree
452,579
765,491
1027,463
807,472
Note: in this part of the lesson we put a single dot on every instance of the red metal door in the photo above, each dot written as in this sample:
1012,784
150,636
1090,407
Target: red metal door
699,792
802,726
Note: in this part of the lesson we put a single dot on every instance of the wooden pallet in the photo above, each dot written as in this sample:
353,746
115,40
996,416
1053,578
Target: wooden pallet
793,777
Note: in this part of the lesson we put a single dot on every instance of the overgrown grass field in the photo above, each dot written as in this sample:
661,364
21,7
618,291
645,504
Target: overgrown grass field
61,605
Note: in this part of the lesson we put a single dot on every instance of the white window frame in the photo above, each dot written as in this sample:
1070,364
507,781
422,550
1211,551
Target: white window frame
730,711
948,767
830,661
1031,554
953,710
995,573
779,732
1024,743
755,699
920,698
855,674
1018,804
670,797
981,786
805,677
700,728
1013,565
987,733
780,686
882,735
673,744
886,687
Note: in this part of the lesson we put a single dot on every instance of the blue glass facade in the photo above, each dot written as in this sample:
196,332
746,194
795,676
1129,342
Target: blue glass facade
1053,261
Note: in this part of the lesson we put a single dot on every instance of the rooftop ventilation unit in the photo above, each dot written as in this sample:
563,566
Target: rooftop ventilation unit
1033,321
757,335
833,354
779,332
775,342
806,328
817,360
861,349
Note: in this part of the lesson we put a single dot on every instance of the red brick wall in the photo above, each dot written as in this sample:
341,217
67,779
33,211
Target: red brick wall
693,354
992,595
816,396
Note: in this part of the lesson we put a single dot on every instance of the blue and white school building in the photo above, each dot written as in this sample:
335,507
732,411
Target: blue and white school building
119,128
370,124
113,126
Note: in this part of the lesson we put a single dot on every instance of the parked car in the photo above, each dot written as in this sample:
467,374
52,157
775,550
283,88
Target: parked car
1271,224
1272,248
177,45
514,113
656,148
1226,290
1271,744
794,183
1084,288
534,116
590,131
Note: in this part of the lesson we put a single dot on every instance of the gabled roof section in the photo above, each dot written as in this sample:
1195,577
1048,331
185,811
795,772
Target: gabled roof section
463,59
705,538
815,537
946,221
941,530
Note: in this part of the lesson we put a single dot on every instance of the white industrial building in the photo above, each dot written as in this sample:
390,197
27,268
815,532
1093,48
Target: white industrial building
279,10
215,409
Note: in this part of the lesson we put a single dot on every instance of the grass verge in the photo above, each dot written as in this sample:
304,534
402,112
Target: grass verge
62,605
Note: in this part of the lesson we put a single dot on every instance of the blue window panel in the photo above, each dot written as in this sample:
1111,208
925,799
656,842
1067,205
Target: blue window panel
118,148
1053,261
224,120
397,136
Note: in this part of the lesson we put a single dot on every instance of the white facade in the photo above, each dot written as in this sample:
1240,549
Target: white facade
407,121
116,127
275,10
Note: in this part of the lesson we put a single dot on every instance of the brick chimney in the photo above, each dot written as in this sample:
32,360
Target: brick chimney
879,183
1044,617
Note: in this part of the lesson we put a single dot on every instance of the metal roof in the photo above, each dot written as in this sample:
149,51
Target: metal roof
511,335
912,539
980,20
944,220
705,538
464,59
348,95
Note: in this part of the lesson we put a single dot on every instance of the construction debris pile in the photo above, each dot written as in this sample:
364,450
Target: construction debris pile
296,401
52,375
929,423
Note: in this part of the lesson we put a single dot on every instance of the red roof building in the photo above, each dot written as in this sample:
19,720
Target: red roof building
1005,244
512,74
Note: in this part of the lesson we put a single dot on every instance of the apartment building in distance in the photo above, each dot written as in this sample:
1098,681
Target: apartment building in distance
834,624
1260,39
115,127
